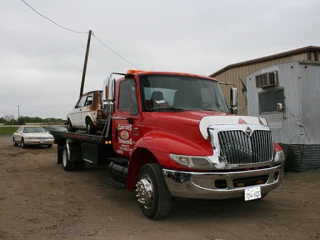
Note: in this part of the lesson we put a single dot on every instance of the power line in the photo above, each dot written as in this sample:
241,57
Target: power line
82,33
52,20
114,51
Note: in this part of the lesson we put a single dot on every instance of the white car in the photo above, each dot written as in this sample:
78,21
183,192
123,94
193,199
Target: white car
87,114
32,135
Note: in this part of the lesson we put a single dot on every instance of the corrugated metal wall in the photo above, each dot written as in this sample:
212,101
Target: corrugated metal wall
310,101
233,74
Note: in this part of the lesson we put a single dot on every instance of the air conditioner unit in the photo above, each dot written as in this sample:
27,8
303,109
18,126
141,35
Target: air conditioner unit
267,80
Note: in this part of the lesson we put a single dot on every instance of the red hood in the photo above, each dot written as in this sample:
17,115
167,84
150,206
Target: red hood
186,122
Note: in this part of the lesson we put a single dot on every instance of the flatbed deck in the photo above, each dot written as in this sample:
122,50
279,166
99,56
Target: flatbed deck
60,136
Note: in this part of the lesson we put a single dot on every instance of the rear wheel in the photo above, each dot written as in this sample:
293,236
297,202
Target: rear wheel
23,145
152,192
14,142
90,129
69,126
66,163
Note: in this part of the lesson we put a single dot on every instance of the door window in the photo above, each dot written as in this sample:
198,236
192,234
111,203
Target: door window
81,102
127,95
89,99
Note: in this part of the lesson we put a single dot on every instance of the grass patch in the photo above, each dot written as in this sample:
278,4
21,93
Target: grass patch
7,130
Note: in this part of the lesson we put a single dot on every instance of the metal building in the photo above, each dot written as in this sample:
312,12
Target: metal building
233,72
287,95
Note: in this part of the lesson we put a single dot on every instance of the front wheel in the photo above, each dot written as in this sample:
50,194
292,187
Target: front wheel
152,192
23,145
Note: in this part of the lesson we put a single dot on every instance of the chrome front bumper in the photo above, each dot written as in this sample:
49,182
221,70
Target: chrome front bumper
200,185
38,142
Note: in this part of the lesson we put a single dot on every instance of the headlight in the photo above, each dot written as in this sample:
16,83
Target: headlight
192,161
279,157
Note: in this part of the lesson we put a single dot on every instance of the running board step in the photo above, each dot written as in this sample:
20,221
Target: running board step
119,160
114,183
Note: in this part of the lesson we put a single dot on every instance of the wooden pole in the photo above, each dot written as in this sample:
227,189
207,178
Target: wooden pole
85,64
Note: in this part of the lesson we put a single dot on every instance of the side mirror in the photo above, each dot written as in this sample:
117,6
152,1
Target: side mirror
111,89
234,100
280,107
108,107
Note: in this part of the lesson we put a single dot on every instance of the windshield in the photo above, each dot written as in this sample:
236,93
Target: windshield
167,93
33,130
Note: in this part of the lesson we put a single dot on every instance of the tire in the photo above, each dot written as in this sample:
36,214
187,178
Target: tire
152,192
49,145
14,142
90,129
66,163
23,145
69,126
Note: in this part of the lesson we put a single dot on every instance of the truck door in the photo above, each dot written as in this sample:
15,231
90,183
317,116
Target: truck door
126,119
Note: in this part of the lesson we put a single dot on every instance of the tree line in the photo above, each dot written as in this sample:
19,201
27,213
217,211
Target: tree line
22,120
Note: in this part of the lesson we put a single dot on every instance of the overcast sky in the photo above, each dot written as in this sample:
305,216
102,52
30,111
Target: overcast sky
41,64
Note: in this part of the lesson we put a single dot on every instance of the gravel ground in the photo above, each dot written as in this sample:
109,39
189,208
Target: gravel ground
38,200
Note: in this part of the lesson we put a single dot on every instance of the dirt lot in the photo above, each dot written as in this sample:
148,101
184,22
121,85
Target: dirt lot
38,200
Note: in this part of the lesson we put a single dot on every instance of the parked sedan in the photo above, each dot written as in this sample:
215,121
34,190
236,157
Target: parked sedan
32,135
56,128
87,114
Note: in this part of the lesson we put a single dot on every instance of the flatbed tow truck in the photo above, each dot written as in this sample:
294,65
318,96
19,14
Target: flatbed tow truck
171,135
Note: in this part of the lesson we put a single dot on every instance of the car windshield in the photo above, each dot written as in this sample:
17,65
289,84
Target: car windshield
33,130
181,93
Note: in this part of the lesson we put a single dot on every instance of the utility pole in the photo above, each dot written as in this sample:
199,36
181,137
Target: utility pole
18,111
85,64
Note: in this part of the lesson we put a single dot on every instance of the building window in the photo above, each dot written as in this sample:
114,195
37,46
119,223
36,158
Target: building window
268,100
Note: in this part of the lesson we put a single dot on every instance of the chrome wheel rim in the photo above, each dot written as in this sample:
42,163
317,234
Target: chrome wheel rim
145,191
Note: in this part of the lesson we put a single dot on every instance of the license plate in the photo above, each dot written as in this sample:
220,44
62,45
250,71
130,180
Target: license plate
42,142
252,193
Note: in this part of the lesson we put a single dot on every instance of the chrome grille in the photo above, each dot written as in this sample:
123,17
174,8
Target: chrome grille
238,148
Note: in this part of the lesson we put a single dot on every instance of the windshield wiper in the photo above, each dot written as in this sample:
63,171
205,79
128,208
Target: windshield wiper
167,109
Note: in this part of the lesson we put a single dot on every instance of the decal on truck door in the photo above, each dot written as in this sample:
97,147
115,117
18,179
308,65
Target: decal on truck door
125,130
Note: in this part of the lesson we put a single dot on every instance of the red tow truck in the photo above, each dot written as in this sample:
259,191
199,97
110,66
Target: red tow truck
172,135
